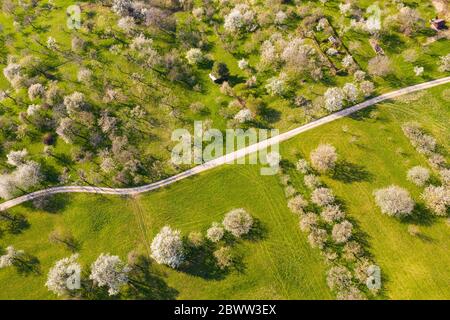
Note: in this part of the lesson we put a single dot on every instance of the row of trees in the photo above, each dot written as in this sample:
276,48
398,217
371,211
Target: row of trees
169,248
327,227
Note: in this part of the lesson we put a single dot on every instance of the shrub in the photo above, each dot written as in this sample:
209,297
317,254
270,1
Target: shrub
342,231
437,199
394,201
322,196
238,222
418,175
215,233
324,157
167,247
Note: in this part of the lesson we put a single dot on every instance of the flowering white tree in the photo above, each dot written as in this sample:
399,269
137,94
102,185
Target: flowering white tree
215,233
300,57
11,71
342,231
317,238
332,51
308,221
122,7
345,8
408,20
7,186
332,213
11,257
275,86
334,99
311,181
243,64
241,18
16,158
437,199
322,196
52,44
64,276
74,102
302,166
444,64
36,91
109,271
418,175
194,56
127,24
351,92
359,75
27,175
324,157
348,62
280,18
238,222
418,71
380,66
84,75
167,247
367,88
224,257
33,109
65,129
394,201
445,176
244,115
297,203
339,278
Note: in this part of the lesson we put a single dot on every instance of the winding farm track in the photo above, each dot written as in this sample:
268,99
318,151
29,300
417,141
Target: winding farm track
229,158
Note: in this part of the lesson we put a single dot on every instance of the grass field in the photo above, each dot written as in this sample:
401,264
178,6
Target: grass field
277,264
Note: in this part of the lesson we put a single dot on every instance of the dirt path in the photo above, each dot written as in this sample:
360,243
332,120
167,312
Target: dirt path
228,158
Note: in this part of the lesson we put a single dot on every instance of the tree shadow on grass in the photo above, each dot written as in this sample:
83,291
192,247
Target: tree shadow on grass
349,172
258,232
147,284
420,216
27,265
202,263
13,223
51,203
